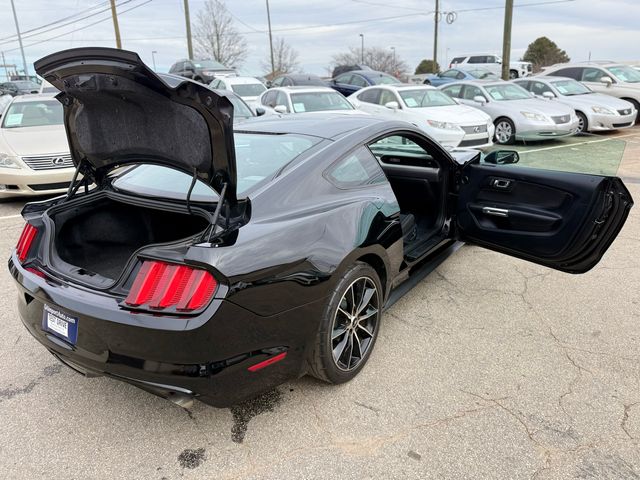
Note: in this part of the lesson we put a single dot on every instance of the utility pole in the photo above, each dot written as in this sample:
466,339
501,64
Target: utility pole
436,19
273,65
188,23
116,28
24,60
6,69
506,39
362,48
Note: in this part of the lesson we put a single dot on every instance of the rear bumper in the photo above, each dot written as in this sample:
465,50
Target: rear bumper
206,357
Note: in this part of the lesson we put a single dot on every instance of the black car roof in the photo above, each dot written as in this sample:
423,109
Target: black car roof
318,125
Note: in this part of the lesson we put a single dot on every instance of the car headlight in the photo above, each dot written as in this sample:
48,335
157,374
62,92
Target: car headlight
8,161
443,125
602,110
536,117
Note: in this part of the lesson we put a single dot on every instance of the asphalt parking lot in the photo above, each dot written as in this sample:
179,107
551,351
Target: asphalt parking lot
490,368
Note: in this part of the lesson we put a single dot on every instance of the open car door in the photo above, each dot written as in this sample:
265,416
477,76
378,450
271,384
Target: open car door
562,220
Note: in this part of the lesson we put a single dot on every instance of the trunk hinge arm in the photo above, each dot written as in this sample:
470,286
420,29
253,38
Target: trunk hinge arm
85,170
216,214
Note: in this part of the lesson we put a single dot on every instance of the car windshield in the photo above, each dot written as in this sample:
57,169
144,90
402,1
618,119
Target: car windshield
570,87
248,89
258,157
383,79
425,98
483,74
33,114
26,85
625,74
507,91
209,64
319,102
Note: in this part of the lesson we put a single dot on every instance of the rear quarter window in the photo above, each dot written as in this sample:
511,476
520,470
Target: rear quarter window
356,170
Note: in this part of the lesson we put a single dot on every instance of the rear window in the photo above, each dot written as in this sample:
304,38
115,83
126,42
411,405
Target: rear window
258,157
248,89
319,101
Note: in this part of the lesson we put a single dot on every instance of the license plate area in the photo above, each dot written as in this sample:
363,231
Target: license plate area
60,324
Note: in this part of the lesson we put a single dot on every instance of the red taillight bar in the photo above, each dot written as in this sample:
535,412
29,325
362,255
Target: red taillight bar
159,286
24,243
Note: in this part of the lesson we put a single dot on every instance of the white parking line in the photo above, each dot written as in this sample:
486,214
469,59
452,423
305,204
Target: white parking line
580,143
7,217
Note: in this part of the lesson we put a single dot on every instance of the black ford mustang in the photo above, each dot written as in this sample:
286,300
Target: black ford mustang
192,260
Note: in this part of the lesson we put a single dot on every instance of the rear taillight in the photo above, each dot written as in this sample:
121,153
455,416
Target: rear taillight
159,286
24,243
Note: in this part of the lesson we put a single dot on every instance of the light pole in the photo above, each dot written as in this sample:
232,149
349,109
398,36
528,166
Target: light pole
153,57
362,48
273,65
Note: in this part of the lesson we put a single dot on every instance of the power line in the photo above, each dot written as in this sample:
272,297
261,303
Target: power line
123,2
54,22
82,28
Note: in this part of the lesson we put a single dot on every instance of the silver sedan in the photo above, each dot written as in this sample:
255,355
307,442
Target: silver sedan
516,113
595,111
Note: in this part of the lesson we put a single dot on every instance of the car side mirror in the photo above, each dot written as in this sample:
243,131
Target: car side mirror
502,157
280,109
480,99
548,95
260,111
606,80
392,105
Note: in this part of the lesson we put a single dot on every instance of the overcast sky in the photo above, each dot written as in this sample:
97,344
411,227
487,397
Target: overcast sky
608,29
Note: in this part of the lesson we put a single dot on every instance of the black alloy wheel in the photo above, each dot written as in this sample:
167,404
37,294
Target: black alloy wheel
349,326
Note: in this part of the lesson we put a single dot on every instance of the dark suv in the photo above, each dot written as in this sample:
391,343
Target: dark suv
203,71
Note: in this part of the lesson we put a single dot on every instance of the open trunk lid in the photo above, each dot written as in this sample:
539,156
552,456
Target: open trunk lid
118,111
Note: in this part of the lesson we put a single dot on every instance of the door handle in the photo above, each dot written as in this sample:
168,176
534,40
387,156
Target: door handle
501,183
496,212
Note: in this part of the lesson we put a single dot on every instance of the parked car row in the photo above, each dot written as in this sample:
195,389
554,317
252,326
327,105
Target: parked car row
470,108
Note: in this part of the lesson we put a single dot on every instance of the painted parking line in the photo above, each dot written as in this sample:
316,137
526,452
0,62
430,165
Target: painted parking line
7,217
580,143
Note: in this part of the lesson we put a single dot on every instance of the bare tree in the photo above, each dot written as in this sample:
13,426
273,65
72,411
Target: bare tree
285,58
216,37
381,59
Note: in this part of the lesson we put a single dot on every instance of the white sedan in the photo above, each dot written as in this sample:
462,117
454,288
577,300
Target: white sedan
305,100
446,121
247,88
34,153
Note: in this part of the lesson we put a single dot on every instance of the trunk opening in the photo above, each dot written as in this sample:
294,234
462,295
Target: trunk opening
97,238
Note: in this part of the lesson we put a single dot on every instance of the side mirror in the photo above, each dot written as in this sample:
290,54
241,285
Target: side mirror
480,99
392,105
548,95
260,111
606,80
280,109
502,157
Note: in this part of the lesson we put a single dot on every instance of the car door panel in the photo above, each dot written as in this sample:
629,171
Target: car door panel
561,220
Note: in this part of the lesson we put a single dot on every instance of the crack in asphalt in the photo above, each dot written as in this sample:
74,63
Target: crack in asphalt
11,392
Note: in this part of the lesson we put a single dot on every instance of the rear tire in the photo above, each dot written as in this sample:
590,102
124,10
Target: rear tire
505,131
348,328
636,105
513,74
583,124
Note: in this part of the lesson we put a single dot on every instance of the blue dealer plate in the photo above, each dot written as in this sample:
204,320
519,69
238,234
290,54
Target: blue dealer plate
60,324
